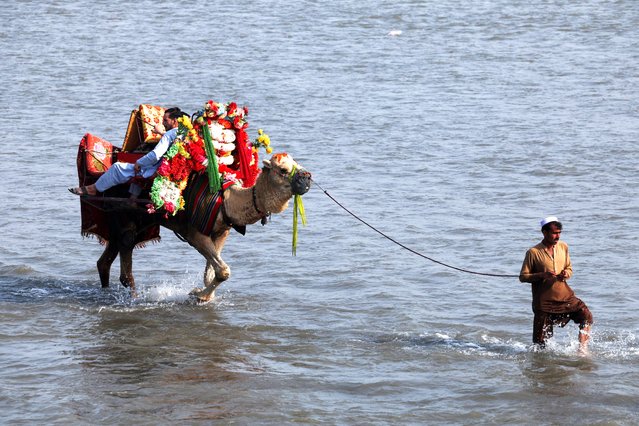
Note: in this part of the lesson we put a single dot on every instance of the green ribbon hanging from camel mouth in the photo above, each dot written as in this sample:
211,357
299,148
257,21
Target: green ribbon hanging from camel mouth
298,207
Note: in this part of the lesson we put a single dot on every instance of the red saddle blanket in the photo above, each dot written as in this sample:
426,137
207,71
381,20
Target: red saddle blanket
102,216
202,205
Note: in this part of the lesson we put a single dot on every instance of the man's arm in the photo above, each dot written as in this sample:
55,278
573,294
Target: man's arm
153,156
529,273
526,274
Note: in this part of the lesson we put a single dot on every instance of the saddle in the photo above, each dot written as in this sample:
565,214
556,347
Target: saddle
96,155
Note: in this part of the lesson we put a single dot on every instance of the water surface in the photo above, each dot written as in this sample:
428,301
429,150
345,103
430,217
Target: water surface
454,137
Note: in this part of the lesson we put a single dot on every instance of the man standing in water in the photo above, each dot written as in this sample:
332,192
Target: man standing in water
547,267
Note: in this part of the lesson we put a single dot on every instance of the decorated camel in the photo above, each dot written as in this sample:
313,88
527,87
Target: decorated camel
200,213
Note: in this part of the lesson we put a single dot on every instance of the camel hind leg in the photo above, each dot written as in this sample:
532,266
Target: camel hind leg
121,243
216,271
126,268
125,248
105,261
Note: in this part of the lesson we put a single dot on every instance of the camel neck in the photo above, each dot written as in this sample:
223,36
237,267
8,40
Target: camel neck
246,206
257,209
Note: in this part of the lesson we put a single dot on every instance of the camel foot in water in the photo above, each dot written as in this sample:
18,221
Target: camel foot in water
583,351
202,295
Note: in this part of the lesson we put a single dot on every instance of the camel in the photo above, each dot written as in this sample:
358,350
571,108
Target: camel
279,180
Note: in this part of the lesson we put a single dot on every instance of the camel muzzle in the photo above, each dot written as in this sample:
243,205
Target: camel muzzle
301,182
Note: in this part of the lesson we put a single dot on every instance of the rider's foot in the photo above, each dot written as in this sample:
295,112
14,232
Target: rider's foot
83,190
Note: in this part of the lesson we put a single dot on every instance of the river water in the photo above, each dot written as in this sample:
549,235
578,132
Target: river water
452,127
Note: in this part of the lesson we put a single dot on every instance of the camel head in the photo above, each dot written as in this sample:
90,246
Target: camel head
284,170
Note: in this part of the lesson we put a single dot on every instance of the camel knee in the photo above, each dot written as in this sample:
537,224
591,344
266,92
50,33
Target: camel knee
213,275
224,274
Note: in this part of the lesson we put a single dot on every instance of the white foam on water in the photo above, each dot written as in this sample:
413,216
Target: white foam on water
508,345
484,345
603,344
150,296
615,344
165,292
171,291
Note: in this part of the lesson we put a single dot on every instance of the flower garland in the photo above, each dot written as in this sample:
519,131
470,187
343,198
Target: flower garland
262,140
216,142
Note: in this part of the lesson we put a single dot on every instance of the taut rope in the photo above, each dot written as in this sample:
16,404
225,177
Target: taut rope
410,249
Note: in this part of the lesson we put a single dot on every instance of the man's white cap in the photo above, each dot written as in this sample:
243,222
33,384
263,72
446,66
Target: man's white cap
548,219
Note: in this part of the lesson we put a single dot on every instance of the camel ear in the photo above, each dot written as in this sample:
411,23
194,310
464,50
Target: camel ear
267,163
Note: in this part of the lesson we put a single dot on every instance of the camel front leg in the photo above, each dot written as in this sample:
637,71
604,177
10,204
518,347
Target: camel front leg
217,271
214,275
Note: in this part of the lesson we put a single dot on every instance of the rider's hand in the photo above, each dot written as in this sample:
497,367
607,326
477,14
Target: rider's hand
159,129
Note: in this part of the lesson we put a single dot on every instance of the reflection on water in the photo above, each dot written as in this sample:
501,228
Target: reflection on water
556,374
184,355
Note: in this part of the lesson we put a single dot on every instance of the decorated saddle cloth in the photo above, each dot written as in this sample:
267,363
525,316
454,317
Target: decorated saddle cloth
98,154
204,206
95,155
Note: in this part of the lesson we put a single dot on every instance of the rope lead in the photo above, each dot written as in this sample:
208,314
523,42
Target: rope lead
408,248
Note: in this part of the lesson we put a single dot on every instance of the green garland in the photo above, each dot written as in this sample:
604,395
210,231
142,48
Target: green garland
298,206
215,180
